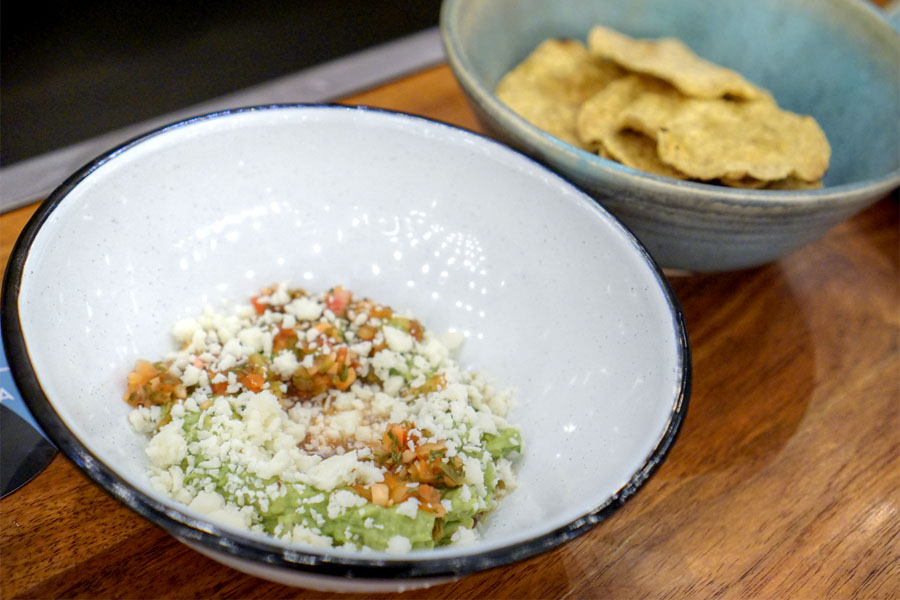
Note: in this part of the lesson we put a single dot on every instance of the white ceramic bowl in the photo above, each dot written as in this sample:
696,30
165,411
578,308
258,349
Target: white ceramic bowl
556,298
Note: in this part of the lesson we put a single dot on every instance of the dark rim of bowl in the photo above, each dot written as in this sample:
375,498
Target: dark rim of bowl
526,135
258,550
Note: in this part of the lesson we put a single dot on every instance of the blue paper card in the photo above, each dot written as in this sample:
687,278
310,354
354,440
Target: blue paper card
9,394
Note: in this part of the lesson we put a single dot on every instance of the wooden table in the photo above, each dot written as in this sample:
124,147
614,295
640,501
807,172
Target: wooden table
784,483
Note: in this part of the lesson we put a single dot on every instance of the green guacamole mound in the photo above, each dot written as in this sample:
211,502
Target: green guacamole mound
280,506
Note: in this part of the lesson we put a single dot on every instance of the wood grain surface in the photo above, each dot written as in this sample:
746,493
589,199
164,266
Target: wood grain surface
784,483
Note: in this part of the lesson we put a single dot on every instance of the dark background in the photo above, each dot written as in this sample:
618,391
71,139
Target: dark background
72,70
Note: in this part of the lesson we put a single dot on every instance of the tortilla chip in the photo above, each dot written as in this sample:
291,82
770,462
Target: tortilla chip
792,183
549,86
601,115
788,183
652,111
658,107
670,59
600,124
748,183
601,151
720,139
636,150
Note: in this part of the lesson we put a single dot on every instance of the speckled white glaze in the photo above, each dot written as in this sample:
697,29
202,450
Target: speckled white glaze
314,581
555,298
838,60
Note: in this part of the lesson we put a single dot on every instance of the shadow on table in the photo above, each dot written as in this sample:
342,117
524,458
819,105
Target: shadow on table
754,364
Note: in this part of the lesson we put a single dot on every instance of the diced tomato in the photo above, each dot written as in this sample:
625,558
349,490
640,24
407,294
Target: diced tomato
430,451
258,306
338,300
431,499
253,381
393,490
349,378
152,384
397,488
284,339
394,438
218,388
432,384
309,382
381,312
366,332
380,494
324,362
365,492
416,330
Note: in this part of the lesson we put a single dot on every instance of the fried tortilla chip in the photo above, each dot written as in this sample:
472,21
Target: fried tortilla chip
656,106
756,134
601,115
636,150
721,139
793,183
652,110
600,126
671,60
747,183
601,151
788,183
548,88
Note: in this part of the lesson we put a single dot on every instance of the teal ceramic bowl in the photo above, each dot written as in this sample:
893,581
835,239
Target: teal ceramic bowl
838,60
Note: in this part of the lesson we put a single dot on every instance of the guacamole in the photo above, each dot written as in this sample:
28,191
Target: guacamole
325,420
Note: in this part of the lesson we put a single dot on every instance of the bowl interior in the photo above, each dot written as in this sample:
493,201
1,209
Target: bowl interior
555,298
836,60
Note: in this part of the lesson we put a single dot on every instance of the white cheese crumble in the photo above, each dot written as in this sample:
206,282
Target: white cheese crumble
168,446
409,508
342,500
398,341
343,469
305,309
399,545
285,363
302,535
143,419
464,537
